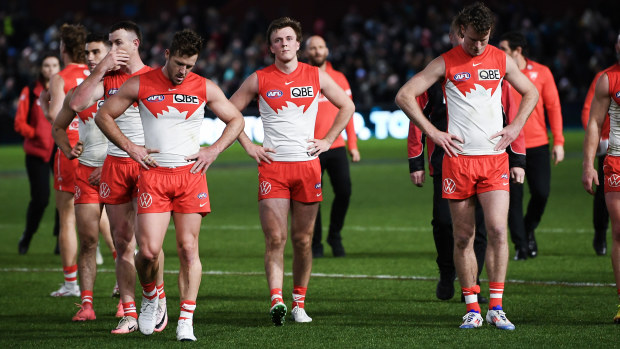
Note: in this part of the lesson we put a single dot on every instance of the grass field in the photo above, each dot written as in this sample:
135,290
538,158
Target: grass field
381,295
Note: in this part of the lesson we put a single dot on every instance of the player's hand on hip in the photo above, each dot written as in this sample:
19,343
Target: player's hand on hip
447,142
260,153
318,146
95,176
589,176
204,158
508,134
418,177
142,155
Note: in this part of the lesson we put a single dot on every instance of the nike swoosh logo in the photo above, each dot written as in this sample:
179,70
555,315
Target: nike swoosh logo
172,89
318,194
288,83
201,205
477,64
132,328
504,183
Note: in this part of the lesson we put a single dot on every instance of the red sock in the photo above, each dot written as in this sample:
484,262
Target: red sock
276,296
129,309
70,273
471,298
299,296
87,299
187,310
160,291
149,291
496,291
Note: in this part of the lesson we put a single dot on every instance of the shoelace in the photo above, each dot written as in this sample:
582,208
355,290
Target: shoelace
469,317
501,315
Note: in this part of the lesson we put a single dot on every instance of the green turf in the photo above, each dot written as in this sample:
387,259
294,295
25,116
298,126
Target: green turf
563,298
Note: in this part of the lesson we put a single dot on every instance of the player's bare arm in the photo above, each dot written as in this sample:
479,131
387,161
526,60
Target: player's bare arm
233,119
56,97
598,110
406,100
336,95
59,130
113,108
530,97
240,99
91,89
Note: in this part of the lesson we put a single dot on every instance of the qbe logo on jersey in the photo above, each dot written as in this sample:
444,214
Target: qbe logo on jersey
488,74
185,99
302,92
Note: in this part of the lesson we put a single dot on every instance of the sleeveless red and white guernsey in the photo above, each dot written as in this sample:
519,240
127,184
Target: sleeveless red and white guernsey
613,75
288,105
172,116
129,122
473,93
73,75
95,142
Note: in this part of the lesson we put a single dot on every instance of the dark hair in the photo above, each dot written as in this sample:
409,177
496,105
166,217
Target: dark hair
128,26
515,39
186,43
73,37
45,56
478,16
284,22
97,37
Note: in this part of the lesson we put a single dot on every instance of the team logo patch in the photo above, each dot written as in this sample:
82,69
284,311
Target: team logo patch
112,91
302,92
618,94
264,187
104,190
448,186
464,76
145,200
78,193
613,181
74,125
185,99
317,186
155,98
202,196
504,176
488,74
274,94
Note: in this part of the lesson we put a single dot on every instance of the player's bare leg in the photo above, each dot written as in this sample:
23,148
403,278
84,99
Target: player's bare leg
274,220
150,235
495,206
88,217
613,206
302,227
122,223
67,242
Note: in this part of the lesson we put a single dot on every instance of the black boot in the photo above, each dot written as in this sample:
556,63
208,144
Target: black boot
24,243
531,244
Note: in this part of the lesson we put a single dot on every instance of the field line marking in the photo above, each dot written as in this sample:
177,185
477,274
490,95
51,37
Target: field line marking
335,276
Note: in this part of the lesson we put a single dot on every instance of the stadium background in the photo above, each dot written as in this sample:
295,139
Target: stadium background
378,45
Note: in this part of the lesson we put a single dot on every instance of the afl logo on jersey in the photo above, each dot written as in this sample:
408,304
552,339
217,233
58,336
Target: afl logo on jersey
302,92
488,74
462,76
155,98
618,94
274,94
112,91
185,99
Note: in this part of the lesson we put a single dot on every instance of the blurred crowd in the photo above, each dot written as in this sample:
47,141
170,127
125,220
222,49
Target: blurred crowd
377,51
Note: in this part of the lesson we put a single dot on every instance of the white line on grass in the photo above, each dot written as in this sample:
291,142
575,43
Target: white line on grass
335,276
